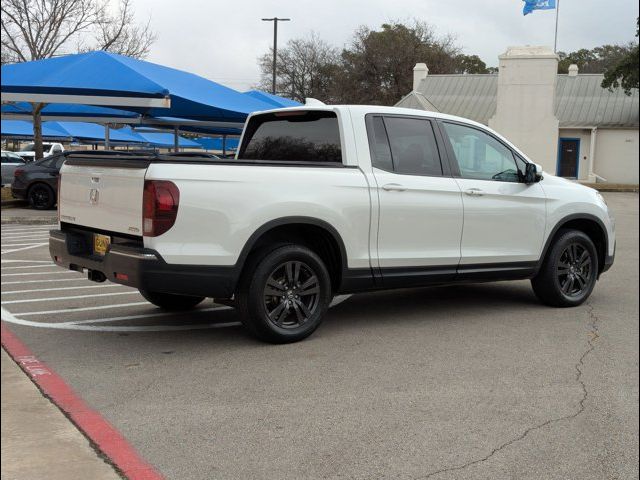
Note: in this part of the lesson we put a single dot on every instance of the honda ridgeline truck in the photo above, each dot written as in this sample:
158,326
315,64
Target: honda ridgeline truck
327,200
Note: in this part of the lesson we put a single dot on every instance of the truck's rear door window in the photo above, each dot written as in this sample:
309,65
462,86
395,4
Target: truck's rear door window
300,136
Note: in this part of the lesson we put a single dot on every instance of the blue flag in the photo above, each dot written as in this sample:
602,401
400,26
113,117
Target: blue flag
531,5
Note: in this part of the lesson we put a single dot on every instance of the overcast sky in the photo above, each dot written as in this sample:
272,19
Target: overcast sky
221,40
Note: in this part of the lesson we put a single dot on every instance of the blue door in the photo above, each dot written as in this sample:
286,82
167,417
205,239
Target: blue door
568,157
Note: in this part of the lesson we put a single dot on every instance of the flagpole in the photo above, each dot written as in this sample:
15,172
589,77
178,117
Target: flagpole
555,42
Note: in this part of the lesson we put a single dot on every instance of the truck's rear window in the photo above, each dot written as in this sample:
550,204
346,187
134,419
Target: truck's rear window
300,136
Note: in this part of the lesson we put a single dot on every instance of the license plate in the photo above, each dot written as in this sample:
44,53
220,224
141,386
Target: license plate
101,243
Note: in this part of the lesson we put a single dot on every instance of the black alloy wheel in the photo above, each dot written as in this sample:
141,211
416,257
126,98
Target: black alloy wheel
291,294
283,293
574,270
569,271
41,197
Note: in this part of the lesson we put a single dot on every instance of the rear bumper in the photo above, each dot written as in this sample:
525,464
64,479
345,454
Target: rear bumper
141,268
20,193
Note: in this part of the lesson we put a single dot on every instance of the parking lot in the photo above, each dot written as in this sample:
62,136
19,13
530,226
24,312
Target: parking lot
477,381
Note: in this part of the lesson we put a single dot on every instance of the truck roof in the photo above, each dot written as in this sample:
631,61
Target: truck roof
365,109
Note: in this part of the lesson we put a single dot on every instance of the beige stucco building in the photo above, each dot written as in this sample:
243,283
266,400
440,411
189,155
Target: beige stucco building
568,123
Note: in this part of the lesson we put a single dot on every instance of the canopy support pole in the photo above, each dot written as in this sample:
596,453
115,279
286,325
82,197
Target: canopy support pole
106,137
224,145
176,143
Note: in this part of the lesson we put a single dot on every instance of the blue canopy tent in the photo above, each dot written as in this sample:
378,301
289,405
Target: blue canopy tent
22,130
166,140
69,112
93,133
219,143
274,100
115,81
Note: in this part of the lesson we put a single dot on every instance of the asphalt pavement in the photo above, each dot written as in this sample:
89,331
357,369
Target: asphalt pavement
464,382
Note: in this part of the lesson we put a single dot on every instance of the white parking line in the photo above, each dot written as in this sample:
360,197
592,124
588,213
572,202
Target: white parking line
22,231
32,232
74,297
46,280
85,309
6,244
51,264
23,248
13,236
136,317
60,272
6,260
9,317
108,285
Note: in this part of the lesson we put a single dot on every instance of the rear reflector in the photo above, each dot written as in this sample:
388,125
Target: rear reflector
122,276
18,172
159,206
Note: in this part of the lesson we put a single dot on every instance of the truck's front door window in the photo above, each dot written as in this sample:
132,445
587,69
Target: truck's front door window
480,156
297,135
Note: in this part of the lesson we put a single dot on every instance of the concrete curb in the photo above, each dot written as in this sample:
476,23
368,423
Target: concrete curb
614,187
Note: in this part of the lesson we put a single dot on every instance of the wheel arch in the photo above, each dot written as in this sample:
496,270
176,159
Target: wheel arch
316,234
591,225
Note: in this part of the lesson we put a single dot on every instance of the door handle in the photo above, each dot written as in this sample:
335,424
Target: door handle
474,192
394,187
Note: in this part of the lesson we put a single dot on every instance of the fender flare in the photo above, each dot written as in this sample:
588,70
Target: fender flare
562,222
278,222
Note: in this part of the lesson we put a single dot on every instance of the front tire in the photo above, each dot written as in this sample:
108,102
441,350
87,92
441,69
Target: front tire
171,301
569,272
284,294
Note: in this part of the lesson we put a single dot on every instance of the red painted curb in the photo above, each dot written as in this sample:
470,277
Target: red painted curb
110,442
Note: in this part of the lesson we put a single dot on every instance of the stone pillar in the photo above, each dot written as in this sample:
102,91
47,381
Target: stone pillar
525,112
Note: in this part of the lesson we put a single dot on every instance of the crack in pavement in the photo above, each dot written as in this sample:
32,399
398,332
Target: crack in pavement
593,336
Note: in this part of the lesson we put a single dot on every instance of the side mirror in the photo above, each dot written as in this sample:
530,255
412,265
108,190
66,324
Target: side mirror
532,173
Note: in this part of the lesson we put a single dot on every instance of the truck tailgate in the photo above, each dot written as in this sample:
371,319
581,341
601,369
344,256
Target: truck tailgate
103,197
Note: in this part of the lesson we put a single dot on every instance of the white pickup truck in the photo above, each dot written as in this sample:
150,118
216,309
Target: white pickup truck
29,151
328,200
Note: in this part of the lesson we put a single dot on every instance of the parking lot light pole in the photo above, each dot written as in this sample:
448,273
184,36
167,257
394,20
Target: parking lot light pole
275,21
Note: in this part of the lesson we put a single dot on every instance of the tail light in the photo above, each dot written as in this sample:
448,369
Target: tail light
18,172
159,207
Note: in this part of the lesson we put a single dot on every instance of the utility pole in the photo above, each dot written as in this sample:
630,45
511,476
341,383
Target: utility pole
275,21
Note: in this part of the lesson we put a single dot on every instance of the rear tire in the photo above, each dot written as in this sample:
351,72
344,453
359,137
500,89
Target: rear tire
283,294
569,272
171,301
41,197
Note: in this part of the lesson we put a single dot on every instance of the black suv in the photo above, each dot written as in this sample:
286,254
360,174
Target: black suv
37,182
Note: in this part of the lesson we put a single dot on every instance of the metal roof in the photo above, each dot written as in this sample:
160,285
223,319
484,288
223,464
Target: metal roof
580,100
468,96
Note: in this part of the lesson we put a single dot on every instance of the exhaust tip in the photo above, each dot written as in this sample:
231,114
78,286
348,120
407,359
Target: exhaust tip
96,276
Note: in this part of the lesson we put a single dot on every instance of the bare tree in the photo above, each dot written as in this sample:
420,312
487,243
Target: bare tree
38,29
304,68
120,33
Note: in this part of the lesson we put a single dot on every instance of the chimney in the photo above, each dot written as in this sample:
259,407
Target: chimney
525,103
420,72
573,70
